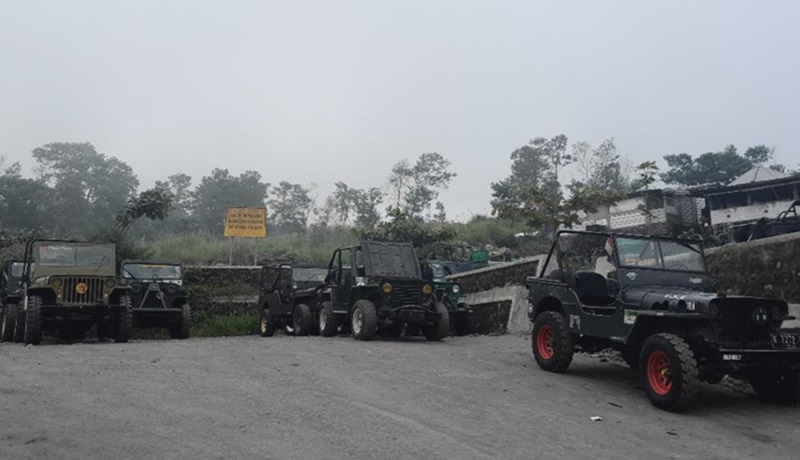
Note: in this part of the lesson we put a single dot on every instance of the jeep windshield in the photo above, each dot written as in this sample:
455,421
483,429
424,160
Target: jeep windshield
145,271
62,255
309,275
660,254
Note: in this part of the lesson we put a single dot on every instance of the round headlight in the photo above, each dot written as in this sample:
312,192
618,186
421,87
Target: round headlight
110,283
56,283
456,289
172,289
136,288
387,288
427,289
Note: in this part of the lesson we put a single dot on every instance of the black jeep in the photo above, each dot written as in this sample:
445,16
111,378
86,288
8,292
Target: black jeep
377,286
71,285
651,299
158,296
288,297
12,323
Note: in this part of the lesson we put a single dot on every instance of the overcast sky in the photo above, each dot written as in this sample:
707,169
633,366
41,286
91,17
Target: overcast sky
316,91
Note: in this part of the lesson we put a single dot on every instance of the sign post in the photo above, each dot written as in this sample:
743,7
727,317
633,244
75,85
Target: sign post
245,223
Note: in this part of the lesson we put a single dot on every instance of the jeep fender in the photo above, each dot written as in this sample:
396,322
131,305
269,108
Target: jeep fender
688,326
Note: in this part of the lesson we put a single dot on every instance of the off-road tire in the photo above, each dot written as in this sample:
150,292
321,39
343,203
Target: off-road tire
441,327
462,325
9,322
552,343
364,320
33,321
182,329
122,320
19,326
328,325
302,320
266,324
669,372
778,386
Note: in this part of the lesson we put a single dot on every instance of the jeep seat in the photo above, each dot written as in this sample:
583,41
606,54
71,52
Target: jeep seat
591,288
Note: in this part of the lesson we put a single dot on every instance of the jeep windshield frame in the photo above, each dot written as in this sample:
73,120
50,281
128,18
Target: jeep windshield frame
149,271
683,256
60,257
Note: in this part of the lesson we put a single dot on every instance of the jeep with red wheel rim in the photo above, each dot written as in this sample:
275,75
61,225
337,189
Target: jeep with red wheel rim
651,299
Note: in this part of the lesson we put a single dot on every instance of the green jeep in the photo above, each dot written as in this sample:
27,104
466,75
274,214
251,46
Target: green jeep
378,287
71,285
449,293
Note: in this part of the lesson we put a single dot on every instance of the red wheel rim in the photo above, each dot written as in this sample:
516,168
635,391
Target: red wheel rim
659,373
544,342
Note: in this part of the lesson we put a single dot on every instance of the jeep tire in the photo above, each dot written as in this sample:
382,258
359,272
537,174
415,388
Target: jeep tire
779,386
19,326
364,320
302,320
9,321
669,372
33,321
441,327
552,343
181,330
122,320
266,324
327,320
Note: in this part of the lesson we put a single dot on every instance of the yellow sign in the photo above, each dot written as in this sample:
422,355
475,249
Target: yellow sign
246,222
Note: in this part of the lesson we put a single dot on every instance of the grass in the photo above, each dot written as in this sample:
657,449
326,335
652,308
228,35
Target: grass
210,326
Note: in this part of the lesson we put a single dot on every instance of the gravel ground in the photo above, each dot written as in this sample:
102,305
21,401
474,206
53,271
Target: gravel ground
312,397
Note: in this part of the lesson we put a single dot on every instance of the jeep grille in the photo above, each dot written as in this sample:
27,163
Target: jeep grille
406,295
93,294
738,327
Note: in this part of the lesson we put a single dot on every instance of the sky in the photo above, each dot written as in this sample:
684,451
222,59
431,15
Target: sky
327,91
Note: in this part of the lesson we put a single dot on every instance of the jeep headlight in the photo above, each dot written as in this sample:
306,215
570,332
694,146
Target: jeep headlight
172,290
110,283
387,288
427,290
56,283
456,289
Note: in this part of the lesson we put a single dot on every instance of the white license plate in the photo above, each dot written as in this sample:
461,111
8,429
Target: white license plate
786,340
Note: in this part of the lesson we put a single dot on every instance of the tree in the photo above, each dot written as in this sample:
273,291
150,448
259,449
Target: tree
220,191
289,207
23,202
178,187
88,186
715,168
366,207
600,168
401,226
647,172
153,204
342,202
417,186
534,171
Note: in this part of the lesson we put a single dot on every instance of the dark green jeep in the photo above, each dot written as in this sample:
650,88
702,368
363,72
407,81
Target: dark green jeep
158,296
651,299
70,286
288,298
377,287
12,323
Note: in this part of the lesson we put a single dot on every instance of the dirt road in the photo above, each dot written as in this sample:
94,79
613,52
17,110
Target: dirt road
312,397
